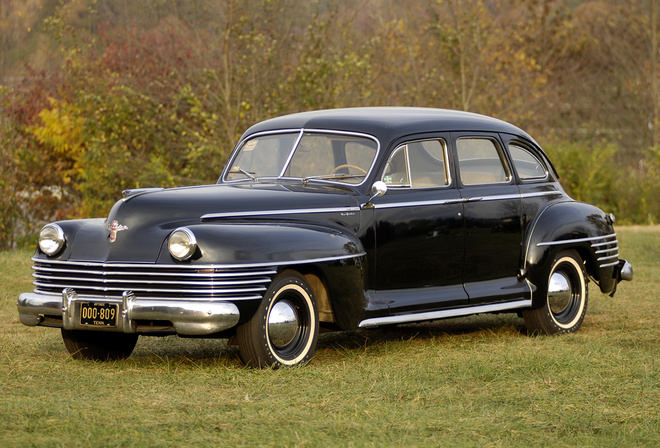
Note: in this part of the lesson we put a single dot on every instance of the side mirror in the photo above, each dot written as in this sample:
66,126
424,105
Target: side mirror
379,188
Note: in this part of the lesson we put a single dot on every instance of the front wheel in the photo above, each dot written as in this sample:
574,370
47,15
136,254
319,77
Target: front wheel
284,330
99,345
566,299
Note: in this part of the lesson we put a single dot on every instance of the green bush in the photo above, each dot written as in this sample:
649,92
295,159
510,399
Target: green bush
593,173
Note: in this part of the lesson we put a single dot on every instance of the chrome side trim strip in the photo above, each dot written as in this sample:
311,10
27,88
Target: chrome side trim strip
115,298
463,200
606,243
502,197
193,274
610,253
123,281
604,251
577,240
300,211
201,266
609,264
419,203
433,315
541,194
162,290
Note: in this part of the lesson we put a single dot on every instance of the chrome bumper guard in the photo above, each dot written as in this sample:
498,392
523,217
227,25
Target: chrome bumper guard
624,271
188,317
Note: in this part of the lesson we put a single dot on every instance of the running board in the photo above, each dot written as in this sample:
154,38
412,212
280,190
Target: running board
456,312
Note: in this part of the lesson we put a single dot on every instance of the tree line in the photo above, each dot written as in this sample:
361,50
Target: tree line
103,95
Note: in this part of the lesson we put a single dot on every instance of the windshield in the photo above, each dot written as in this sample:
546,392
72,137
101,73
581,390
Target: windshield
337,157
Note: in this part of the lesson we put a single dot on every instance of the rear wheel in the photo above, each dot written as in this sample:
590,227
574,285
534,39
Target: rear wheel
566,300
284,330
99,345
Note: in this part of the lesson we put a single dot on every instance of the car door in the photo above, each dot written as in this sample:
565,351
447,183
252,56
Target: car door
493,219
419,230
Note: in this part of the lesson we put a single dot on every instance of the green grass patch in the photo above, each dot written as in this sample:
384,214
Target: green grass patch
477,381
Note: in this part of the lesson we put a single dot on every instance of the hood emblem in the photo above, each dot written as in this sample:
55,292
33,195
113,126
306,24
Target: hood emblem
114,228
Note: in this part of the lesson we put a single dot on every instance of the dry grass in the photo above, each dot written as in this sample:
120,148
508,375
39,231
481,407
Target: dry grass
477,381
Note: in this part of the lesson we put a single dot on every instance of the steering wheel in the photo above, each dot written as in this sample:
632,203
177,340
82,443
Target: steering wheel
348,165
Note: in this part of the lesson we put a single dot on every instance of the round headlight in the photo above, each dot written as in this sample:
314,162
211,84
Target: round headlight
51,239
182,244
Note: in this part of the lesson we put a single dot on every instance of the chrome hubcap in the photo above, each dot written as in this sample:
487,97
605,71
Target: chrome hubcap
559,292
282,324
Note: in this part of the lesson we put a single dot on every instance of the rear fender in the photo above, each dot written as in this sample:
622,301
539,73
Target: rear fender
575,226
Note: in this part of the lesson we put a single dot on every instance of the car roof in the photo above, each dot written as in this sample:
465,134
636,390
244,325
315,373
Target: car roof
387,123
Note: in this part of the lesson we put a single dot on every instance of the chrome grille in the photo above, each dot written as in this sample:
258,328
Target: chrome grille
201,282
607,250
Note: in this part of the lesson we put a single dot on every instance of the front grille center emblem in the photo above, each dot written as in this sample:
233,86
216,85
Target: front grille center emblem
114,228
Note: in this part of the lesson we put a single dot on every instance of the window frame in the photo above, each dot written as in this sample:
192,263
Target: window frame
510,177
446,162
530,151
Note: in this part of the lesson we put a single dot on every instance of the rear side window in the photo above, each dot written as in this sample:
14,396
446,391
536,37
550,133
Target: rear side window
527,164
480,162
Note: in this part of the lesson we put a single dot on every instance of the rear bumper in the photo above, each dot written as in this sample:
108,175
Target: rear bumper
624,271
186,317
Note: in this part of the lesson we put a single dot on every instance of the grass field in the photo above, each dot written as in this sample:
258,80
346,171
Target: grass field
478,381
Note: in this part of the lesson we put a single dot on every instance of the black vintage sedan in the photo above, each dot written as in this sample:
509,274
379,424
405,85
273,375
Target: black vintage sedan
338,219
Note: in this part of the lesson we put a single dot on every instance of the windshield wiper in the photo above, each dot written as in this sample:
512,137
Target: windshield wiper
330,177
244,172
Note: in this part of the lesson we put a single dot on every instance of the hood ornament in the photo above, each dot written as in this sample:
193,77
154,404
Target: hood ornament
114,228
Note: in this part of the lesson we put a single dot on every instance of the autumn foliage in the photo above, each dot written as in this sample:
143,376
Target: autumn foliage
98,96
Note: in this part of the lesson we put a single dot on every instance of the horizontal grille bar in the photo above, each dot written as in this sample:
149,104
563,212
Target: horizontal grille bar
205,282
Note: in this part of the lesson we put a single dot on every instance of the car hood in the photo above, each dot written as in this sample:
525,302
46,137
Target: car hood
137,227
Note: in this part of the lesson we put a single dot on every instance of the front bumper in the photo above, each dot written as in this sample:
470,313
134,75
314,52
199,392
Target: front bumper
135,315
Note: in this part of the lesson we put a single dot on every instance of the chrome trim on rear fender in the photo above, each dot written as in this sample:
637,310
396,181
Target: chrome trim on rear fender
606,247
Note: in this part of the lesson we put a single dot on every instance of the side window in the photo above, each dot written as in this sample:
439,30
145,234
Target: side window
527,164
480,162
418,164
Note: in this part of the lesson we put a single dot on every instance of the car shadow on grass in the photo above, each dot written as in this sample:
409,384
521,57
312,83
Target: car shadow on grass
468,328
334,344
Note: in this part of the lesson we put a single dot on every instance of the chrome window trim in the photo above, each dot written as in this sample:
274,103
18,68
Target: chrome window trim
291,153
540,162
445,161
301,132
500,152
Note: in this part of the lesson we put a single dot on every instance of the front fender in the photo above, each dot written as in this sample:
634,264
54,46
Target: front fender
268,243
576,226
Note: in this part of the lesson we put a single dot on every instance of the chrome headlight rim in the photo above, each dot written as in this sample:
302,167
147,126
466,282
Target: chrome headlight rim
51,239
179,250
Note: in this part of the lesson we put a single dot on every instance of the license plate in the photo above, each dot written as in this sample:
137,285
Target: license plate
98,314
